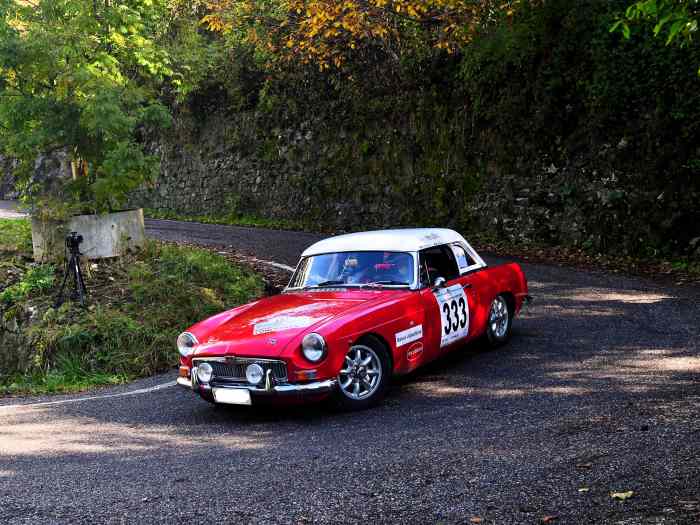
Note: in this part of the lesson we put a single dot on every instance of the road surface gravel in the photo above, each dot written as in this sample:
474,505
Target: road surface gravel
596,393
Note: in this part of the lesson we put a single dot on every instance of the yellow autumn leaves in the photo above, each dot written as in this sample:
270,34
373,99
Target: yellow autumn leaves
326,33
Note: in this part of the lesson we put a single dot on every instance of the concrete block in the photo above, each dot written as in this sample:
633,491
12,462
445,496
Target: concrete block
105,235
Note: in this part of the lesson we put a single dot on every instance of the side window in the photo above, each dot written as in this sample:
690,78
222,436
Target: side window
464,261
438,261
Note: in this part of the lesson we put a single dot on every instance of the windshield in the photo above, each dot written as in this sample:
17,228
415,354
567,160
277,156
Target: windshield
354,269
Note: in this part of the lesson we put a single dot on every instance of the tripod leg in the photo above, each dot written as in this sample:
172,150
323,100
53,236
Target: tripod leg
79,283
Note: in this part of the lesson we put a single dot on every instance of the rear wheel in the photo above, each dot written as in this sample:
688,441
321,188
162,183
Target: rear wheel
364,375
500,322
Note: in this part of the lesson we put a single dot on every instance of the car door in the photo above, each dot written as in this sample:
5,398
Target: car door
447,307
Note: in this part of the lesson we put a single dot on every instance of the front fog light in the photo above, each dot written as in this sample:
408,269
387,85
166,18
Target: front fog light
204,372
254,374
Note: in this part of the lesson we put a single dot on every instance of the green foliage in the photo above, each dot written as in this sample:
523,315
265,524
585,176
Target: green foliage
38,279
70,373
84,77
235,219
140,306
674,20
621,116
15,236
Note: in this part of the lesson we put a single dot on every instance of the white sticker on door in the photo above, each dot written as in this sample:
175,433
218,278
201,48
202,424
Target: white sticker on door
408,336
454,313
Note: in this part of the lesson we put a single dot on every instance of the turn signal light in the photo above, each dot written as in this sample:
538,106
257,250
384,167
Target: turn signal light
304,375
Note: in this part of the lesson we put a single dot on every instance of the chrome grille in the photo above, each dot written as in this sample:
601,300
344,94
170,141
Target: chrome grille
234,369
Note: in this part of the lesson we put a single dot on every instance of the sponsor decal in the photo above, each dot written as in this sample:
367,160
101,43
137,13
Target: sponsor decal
283,322
408,336
414,351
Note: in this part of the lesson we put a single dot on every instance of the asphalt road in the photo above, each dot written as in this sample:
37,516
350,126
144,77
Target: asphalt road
8,210
597,392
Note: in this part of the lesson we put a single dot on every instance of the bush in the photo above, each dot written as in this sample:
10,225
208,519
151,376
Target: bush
37,279
15,236
139,306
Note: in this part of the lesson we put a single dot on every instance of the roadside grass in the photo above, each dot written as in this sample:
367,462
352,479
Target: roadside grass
37,279
229,219
138,304
680,269
70,374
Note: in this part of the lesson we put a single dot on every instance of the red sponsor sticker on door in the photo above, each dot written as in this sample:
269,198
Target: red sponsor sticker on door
414,351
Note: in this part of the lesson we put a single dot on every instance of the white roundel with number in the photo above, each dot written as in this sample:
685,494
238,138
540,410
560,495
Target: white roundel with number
454,313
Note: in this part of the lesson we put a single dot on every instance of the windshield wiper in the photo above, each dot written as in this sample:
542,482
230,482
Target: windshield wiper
386,283
329,283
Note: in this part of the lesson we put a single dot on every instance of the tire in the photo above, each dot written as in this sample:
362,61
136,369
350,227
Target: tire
500,322
356,391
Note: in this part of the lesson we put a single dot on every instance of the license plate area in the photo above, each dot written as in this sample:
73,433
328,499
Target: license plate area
232,396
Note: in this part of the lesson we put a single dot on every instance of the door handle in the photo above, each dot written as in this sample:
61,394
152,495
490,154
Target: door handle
465,286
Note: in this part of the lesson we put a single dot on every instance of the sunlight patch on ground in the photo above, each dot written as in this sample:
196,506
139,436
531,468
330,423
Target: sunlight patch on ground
588,311
27,433
593,295
442,390
669,364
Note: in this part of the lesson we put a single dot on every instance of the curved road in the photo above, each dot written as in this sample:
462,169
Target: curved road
596,393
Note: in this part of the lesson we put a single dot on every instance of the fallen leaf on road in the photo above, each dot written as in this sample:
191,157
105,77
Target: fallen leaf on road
622,496
584,465
549,519
475,519
583,489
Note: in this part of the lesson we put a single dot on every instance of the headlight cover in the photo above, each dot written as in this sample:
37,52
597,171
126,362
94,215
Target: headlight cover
186,343
313,346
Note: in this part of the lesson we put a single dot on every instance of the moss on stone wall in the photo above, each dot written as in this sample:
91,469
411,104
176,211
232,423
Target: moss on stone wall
549,129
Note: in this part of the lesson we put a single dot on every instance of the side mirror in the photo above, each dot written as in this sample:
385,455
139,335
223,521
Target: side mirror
439,283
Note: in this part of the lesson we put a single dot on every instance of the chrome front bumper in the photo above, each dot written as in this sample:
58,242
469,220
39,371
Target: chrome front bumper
267,389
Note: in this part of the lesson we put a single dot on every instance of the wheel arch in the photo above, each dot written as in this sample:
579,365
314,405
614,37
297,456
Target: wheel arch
378,338
510,300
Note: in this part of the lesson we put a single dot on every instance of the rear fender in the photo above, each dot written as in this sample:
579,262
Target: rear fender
494,280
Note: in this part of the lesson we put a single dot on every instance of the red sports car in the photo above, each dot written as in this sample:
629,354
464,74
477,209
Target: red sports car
359,309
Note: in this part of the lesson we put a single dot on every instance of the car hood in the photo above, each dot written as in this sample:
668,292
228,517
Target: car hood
267,326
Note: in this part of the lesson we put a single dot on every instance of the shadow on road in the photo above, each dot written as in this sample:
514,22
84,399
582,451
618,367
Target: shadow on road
598,388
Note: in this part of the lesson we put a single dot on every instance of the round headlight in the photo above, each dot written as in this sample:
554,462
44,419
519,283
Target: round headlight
204,372
313,347
186,343
254,374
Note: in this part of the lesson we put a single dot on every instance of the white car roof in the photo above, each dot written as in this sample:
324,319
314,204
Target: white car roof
399,240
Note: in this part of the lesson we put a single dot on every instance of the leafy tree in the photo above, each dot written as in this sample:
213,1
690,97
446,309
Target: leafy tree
328,32
676,20
84,76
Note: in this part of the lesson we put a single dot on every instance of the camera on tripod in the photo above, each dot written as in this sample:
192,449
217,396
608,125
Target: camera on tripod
73,240
73,271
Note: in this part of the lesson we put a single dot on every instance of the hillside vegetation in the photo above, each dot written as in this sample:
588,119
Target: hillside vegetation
137,305
524,121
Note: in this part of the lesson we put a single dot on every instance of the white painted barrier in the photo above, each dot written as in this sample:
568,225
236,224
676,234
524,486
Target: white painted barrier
105,235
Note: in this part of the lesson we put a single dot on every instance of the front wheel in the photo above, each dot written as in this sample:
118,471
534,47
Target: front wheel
500,322
364,375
